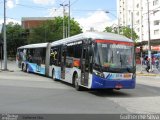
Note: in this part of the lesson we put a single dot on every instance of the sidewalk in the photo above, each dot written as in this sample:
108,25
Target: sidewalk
141,71
11,66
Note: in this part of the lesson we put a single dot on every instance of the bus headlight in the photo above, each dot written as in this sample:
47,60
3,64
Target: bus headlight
134,76
99,74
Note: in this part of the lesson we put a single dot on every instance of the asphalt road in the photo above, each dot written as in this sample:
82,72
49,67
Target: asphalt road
23,93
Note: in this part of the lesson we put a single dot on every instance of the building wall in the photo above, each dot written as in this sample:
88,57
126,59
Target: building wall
140,17
32,22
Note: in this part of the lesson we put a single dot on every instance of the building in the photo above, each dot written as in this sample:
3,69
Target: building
139,8
32,22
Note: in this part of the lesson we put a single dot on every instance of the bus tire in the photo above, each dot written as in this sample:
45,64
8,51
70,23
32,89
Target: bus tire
76,82
27,68
23,68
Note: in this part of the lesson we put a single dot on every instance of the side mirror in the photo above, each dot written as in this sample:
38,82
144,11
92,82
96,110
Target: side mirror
89,41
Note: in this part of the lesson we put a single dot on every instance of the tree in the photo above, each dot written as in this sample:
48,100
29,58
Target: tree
52,30
126,31
14,37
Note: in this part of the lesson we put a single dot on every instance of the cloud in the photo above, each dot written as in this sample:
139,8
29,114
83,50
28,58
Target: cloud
17,1
9,20
97,20
10,4
44,2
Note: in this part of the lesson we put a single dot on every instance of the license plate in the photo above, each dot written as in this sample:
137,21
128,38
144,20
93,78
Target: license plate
127,75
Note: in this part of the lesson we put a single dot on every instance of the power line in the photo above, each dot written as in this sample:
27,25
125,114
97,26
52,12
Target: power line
55,10
29,6
74,2
63,3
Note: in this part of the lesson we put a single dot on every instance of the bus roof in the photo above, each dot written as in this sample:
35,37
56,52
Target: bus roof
93,36
39,45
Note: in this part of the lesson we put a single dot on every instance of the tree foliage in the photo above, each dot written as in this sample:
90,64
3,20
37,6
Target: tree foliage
49,31
14,34
52,30
126,31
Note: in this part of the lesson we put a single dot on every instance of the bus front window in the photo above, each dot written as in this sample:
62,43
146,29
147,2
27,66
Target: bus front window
114,56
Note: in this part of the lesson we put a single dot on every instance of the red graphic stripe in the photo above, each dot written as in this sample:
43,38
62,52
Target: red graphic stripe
115,42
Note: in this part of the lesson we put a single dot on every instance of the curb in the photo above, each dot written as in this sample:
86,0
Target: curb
1,70
145,74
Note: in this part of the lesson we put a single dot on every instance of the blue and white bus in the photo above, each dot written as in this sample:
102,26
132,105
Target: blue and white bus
93,60
33,58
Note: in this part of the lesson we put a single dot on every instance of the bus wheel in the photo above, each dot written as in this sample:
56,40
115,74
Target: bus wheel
76,83
23,68
27,69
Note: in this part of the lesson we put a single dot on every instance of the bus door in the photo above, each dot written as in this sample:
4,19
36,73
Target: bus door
63,61
84,66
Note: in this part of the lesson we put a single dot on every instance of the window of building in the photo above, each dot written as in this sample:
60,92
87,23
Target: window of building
155,11
137,5
156,32
155,2
137,13
156,22
137,22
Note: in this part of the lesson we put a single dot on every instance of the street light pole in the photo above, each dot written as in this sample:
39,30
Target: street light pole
69,19
116,18
118,25
132,25
149,37
4,38
63,19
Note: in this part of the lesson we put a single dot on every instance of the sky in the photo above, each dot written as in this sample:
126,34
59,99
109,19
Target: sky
88,13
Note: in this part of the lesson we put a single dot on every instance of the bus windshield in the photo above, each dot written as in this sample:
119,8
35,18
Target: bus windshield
114,56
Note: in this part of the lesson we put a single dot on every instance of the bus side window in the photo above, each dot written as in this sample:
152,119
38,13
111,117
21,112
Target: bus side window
69,58
54,56
77,51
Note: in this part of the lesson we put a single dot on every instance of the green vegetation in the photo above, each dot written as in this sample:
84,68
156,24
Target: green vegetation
49,31
126,31
52,30
15,38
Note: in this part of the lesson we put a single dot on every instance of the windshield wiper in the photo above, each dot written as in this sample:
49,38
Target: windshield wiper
112,57
121,60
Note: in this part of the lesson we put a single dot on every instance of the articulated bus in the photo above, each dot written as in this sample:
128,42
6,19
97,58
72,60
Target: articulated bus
93,60
33,58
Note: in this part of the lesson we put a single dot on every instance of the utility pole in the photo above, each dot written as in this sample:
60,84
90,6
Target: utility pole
141,36
1,56
45,33
149,37
132,25
118,25
4,38
69,5
63,19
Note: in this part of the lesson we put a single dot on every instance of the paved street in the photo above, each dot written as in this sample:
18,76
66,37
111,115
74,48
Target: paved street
30,93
